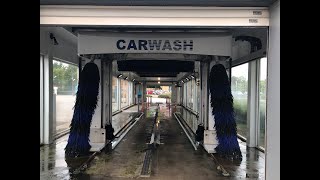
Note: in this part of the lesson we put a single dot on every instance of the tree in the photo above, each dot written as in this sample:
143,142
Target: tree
65,77
263,86
239,84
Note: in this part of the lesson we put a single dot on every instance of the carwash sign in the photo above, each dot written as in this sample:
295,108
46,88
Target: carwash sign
185,43
157,45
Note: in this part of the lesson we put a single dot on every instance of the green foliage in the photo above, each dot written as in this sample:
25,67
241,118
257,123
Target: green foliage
240,109
239,84
262,105
167,95
65,77
262,89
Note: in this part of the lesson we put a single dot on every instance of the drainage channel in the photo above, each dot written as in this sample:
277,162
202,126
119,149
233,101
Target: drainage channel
146,167
154,141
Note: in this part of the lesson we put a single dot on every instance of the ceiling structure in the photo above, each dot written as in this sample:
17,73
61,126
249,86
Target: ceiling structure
148,67
156,68
170,67
217,3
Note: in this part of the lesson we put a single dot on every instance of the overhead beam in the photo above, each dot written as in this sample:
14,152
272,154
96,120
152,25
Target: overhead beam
155,66
226,3
171,16
158,75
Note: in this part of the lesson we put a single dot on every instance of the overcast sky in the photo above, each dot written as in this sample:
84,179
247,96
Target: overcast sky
242,70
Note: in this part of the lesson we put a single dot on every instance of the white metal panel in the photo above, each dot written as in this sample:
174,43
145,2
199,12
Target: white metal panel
211,120
253,111
118,93
66,50
97,135
212,3
204,101
48,98
195,43
54,114
153,16
273,97
210,141
41,99
96,147
210,137
106,81
130,93
97,116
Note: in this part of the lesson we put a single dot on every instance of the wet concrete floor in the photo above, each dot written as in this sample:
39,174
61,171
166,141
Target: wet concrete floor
53,165
126,160
252,165
175,157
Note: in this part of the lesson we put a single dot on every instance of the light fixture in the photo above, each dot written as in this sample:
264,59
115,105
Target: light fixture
192,76
187,79
182,81
158,82
133,80
126,78
55,42
158,78
120,75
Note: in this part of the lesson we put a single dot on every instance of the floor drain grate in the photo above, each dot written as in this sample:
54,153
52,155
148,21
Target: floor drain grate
145,172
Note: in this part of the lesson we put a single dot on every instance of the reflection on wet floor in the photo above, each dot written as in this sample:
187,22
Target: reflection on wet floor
126,160
52,161
252,164
53,164
175,158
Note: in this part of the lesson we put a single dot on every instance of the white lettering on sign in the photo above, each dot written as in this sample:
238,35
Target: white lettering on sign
170,45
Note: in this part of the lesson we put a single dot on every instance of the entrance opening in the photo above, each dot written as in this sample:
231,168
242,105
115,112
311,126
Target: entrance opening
137,78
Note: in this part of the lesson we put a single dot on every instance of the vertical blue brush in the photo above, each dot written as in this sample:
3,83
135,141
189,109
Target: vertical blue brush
86,103
222,109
